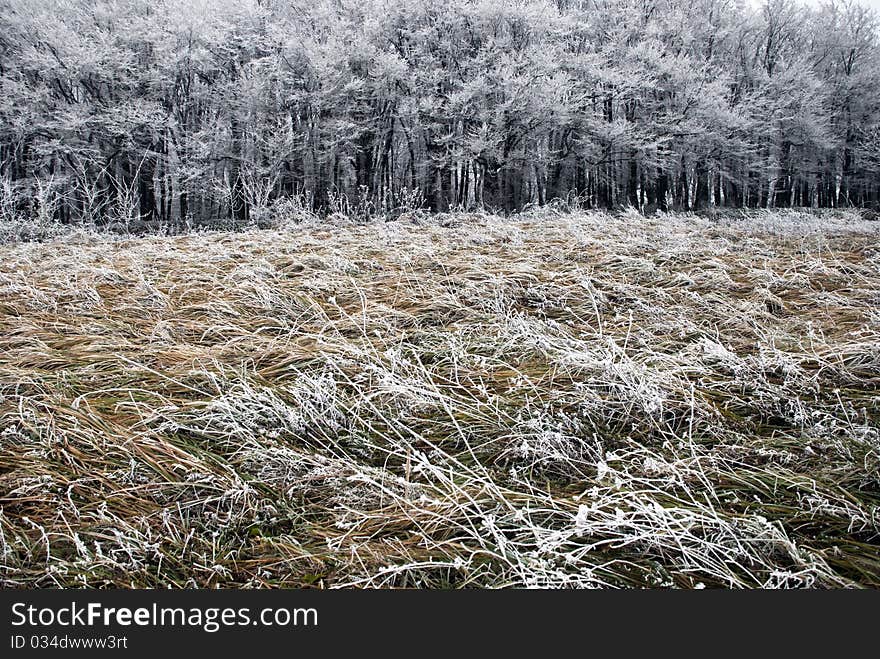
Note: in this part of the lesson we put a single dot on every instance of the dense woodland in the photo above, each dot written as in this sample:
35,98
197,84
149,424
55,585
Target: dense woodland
193,111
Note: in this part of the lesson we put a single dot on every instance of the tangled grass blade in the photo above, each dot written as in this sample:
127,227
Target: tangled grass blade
544,401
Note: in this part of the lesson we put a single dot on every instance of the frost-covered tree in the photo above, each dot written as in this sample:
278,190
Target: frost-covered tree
181,111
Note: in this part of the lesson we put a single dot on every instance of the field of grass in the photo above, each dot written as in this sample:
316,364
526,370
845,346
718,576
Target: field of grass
459,401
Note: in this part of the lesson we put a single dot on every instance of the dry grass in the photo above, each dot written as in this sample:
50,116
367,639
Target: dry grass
463,402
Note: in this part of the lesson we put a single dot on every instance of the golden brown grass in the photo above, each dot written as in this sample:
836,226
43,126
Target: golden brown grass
466,401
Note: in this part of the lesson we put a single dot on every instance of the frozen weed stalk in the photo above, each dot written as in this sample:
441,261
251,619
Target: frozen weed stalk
600,402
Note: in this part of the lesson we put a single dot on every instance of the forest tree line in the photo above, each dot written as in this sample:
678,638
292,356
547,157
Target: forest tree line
190,111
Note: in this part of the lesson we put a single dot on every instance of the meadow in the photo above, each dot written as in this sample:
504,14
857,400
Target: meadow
452,401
